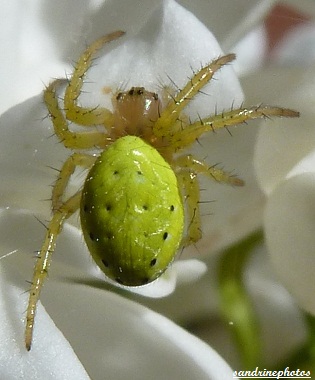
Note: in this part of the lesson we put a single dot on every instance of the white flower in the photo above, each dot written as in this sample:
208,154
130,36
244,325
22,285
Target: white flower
103,329
285,163
112,336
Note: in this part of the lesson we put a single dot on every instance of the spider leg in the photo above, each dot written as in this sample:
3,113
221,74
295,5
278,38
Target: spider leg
76,159
193,131
188,169
82,115
71,139
44,259
188,182
174,108
61,212
191,163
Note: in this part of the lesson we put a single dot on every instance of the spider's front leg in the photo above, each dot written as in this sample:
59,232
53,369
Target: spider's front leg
70,139
188,168
61,212
193,131
166,124
74,112
183,134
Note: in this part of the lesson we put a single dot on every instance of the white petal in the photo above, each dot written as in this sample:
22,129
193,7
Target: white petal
289,226
306,165
251,51
253,15
28,149
189,270
115,336
50,352
161,287
32,38
283,143
276,309
180,272
172,44
197,306
229,21
298,47
36,49
108,333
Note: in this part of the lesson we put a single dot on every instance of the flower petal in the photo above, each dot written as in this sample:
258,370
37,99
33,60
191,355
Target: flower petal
197,307
289,226
298,47
50,352
276,309
109,333
36,49
180,271
33,39
168,49
251,51
283,143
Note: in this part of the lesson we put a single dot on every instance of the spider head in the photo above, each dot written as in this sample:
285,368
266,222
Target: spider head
135,112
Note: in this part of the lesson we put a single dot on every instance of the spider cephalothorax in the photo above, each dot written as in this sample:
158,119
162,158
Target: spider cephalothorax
142,184
135,112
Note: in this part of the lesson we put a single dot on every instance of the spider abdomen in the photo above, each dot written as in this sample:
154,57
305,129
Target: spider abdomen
131,212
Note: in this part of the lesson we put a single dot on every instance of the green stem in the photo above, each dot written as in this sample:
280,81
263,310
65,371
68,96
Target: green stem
236,307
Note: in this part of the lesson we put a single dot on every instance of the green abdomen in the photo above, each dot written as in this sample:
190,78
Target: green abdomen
131,212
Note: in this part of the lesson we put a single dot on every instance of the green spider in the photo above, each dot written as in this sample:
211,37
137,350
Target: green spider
140,190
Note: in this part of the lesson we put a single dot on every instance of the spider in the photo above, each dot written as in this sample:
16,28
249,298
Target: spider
140,200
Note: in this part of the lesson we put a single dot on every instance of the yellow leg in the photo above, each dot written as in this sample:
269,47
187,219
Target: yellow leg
76,159
70,139
75,113
192,132
44,259
200,167
188,182
190,168
173,110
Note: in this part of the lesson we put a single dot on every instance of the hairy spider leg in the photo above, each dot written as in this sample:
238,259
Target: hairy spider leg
189,185
70,139
189,168
68,168
61,212
44,259
200,167
189,134
166,124
74,112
